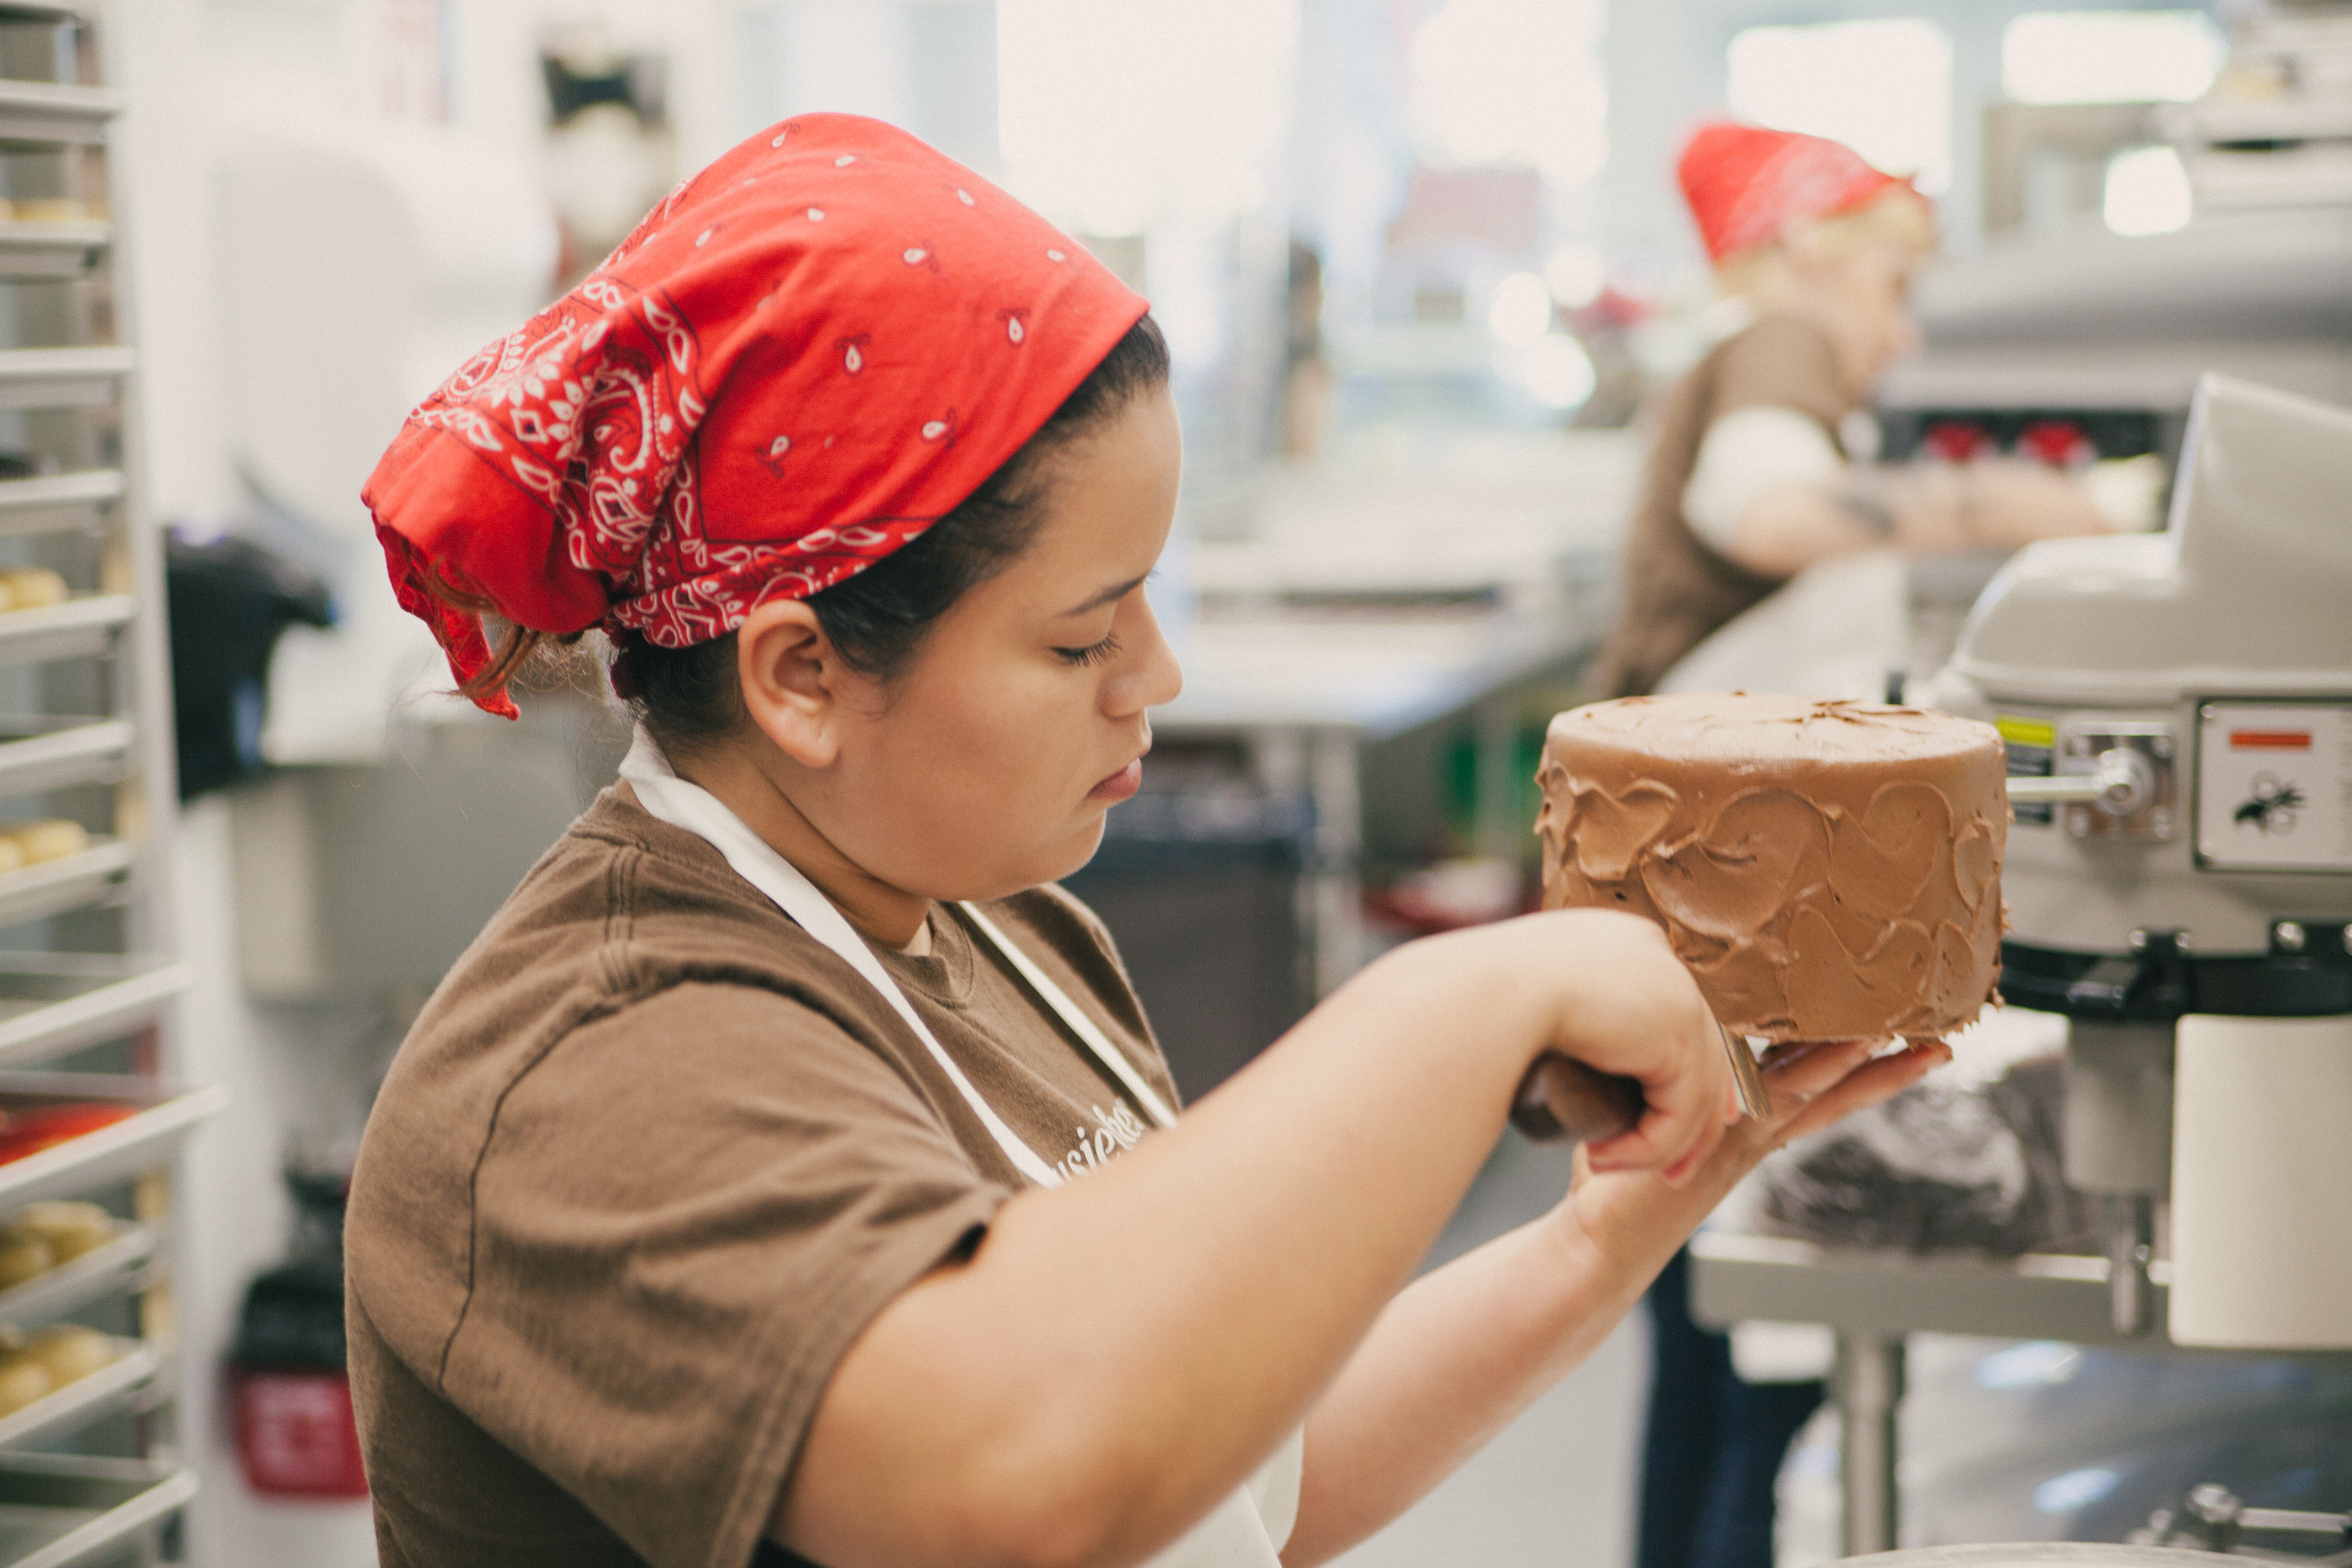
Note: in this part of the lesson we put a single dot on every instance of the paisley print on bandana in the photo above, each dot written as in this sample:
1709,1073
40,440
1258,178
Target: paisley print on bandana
623,458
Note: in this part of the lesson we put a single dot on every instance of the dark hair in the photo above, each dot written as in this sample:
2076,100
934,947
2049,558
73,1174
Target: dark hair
877,621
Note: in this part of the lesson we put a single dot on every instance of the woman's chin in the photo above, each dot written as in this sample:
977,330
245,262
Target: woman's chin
1050,863
1071,855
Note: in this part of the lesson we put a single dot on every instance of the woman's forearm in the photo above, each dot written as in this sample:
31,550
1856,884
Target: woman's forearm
1467,1348
1464,1350
1122,1351
1453,1361
1793,526
1921,508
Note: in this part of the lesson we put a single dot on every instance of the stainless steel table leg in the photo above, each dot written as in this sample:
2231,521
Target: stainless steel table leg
1868,1387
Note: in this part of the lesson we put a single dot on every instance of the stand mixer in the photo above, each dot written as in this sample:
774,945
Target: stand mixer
2178,709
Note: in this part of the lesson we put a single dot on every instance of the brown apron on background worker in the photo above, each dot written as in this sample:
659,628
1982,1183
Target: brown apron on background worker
1678,589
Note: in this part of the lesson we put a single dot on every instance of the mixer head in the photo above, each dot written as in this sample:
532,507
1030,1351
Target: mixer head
2202,678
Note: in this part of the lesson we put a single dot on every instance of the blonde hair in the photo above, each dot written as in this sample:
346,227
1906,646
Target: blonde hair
1897,215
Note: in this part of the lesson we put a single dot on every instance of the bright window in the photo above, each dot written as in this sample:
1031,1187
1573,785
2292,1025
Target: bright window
1512,82
1882,88
1110,111
2109,57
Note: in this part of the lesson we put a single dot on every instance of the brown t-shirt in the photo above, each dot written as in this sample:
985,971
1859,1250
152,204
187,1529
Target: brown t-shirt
1678,588
647,1164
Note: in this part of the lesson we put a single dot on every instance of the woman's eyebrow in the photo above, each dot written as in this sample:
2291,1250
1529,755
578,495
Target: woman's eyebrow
1116,591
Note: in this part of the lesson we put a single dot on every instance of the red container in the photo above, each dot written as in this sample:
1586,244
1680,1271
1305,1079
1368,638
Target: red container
295,1433
1958,441
2059,443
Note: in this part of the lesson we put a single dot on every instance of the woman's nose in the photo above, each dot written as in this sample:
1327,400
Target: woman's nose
1146,674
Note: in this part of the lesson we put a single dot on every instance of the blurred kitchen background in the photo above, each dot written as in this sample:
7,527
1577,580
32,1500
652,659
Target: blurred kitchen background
1422,265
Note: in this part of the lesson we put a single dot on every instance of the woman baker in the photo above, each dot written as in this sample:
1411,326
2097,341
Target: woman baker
1759,466
788,1172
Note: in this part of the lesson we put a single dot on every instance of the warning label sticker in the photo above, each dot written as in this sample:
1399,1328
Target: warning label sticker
2274,786
2032,749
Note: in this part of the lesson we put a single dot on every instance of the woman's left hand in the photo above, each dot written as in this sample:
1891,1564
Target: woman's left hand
1811,1085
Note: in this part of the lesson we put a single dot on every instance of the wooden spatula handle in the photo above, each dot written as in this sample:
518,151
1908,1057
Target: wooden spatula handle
1561,1100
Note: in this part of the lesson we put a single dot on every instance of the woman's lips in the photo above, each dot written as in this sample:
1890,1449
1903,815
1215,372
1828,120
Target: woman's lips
1120,785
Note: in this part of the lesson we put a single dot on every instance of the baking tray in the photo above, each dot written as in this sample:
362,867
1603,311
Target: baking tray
96,1274
165,1114
83,624
33,893
49,11
38,754
78,499
39,114
85,1399
57,1510
38,251
53,1003
57,378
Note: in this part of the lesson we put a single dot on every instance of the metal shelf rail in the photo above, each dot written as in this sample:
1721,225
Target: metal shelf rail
88,969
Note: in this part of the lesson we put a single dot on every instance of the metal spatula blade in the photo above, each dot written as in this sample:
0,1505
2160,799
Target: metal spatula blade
1747,1078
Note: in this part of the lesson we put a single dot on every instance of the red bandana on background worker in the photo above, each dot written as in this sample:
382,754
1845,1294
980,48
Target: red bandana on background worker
802,359
1744,183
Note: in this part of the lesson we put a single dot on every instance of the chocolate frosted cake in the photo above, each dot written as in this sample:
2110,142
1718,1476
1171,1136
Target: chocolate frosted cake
1829,871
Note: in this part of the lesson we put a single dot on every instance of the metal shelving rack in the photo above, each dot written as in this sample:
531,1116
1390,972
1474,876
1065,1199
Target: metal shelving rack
87,977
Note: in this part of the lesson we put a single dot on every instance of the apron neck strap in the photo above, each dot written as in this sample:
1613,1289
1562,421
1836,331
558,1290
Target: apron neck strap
1089,1032
690,807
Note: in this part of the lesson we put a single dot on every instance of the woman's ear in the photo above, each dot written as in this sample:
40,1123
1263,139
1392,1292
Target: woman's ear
793,680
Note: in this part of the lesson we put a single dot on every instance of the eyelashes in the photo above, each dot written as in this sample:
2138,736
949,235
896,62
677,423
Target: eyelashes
1096,653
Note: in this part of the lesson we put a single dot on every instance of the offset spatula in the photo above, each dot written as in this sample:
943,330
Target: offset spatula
1560,1099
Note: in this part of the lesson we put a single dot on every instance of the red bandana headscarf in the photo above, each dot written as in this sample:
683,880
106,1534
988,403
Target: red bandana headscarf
1744,182
806,355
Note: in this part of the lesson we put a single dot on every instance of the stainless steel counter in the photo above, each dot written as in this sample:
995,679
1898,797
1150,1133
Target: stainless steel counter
1872,1300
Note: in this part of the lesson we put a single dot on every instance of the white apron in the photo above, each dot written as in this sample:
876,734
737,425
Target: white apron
1248,1529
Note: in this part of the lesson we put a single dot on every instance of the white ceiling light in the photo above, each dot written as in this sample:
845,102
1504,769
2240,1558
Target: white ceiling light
1554,370
1520,310
1576,275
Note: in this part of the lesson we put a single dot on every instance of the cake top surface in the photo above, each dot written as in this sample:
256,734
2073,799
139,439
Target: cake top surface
1727,727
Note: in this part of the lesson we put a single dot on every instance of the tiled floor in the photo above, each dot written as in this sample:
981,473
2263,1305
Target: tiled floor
1556,1490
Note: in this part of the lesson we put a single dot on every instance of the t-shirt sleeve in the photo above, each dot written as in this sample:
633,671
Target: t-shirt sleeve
1746,454
676,1237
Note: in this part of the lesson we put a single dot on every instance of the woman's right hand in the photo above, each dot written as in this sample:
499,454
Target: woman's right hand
1617,999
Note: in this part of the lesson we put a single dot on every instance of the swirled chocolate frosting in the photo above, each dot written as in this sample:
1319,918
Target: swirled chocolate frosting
1829,871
